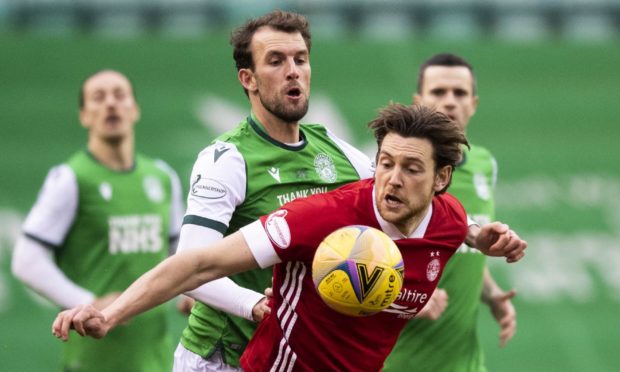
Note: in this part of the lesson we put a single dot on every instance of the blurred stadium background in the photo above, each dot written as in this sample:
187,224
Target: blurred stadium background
548,81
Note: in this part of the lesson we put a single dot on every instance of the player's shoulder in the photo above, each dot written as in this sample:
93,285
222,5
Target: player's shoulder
219,151
154,165
237,134
447,204
479,152
314,128
80,160
60,179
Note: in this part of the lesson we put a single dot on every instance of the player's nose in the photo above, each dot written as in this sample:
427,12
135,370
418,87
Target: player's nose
292,70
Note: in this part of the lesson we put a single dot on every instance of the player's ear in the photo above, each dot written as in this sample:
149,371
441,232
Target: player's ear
442,178
416,99
474,104
137,113
83,119
247,79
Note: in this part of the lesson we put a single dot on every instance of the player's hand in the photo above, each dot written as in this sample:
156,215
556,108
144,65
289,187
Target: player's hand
505,314
185,304
498,240
85,319
262,308
436,305
102,302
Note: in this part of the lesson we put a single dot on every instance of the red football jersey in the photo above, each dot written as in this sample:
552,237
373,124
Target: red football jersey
303,333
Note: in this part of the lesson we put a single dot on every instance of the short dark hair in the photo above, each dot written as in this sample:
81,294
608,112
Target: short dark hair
447,60
241,38
81,92
420,121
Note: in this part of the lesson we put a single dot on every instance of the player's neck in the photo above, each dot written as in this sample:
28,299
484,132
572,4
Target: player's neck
276,128
117,156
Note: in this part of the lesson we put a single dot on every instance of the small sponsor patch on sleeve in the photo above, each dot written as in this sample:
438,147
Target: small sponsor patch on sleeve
277,229
207,188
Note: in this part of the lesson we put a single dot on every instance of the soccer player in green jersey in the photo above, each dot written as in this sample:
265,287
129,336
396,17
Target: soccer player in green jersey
445,337
101,220
268,160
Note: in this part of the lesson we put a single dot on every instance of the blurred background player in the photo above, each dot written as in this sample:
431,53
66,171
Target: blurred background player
418,149
101,220
267,160
444,336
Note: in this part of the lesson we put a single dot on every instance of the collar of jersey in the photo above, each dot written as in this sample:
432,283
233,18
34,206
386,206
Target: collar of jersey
393,232
260,130
133,167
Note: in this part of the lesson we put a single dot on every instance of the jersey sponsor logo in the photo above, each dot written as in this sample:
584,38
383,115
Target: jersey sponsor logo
325,168
481,184
277,229
207,188
290,196
403,312
219,152
275,173
153,189
432,270
412,296
105,189
135,233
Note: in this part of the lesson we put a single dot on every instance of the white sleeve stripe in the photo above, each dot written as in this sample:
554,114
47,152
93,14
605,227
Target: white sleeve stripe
260,245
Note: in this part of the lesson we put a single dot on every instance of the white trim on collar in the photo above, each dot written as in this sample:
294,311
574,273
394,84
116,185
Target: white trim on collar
393,232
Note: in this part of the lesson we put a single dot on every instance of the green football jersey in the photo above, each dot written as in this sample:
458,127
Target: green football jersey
241,176
120,229
451,342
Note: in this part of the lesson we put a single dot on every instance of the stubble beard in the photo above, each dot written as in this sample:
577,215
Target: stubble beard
280,110
403,218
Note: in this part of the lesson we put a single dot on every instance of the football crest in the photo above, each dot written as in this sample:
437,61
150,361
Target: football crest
325,168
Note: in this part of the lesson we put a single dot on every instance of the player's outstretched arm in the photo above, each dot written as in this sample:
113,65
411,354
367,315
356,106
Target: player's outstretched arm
175,275
496,239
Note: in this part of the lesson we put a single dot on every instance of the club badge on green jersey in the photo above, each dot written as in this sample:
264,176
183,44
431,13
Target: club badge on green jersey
324,166
105,189
153,189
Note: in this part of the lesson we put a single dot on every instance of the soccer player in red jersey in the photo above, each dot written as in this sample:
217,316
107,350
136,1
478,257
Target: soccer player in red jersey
418,148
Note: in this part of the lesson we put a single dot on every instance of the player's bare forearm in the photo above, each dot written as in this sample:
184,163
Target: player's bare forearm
170,278
181,273
175,275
